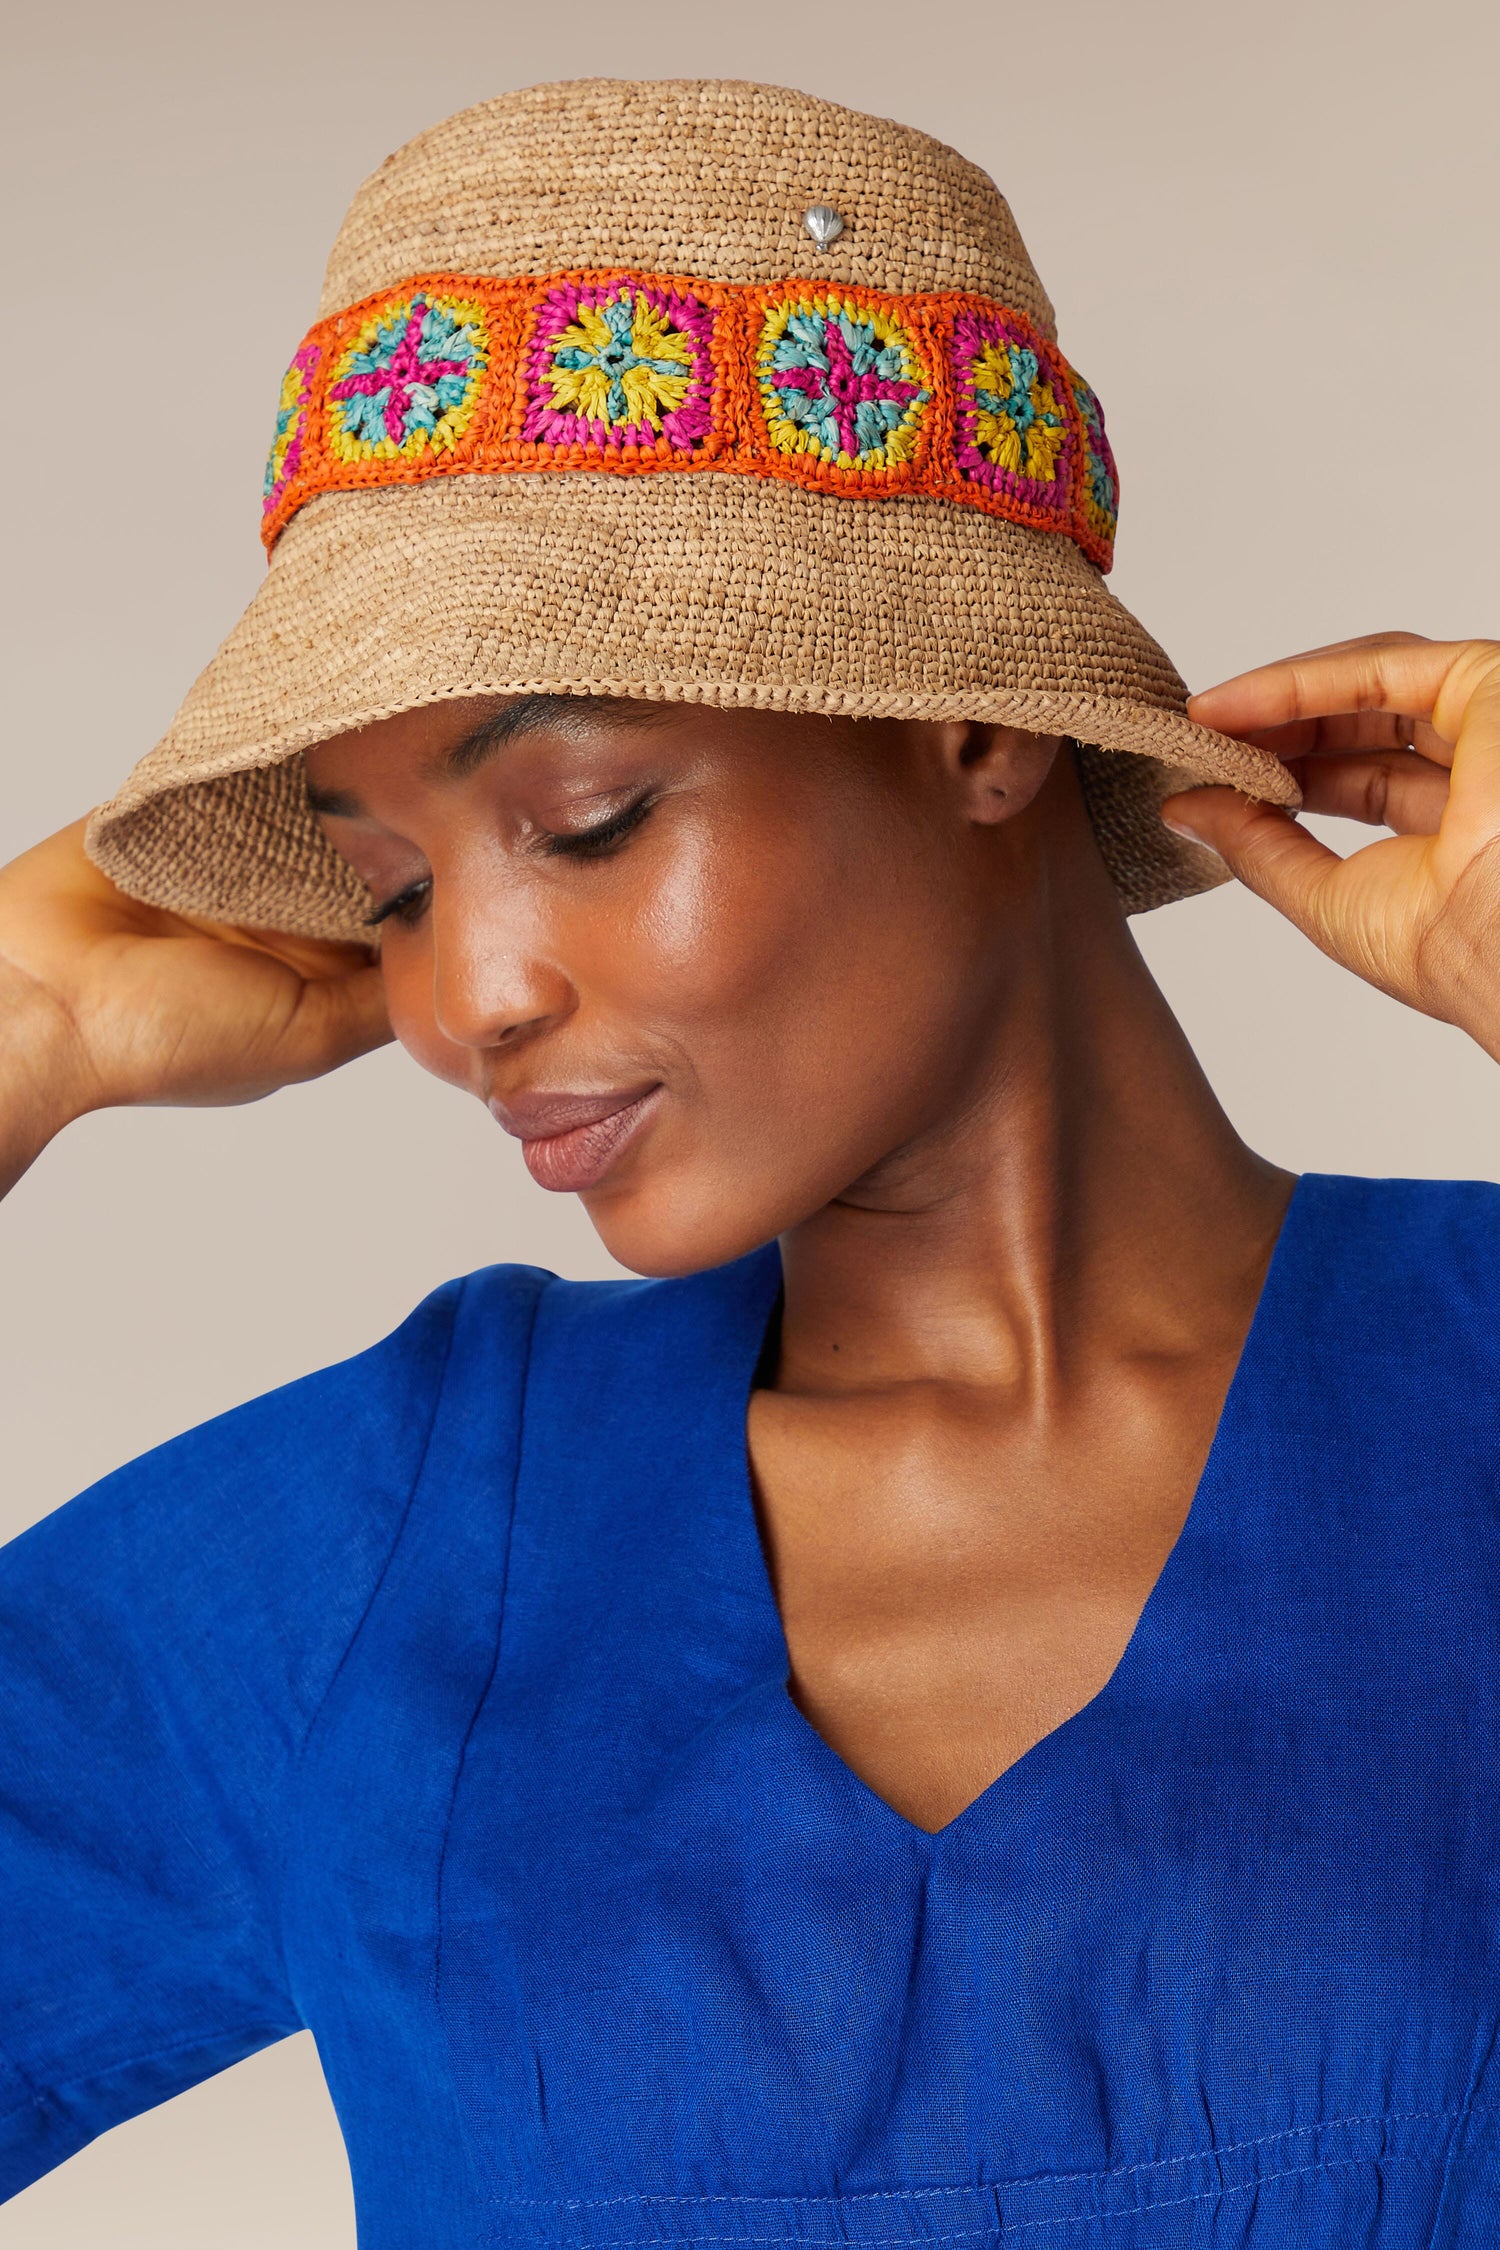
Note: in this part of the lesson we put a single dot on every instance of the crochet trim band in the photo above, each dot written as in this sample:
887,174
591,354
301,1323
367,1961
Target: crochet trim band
847,390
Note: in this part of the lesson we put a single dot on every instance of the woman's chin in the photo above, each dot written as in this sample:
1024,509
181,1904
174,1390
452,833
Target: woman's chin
662,1230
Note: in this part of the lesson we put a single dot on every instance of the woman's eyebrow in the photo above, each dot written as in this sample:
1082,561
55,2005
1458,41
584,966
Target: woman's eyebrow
527,715
339,804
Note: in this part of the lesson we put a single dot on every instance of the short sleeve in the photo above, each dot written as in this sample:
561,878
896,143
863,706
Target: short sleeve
165,1642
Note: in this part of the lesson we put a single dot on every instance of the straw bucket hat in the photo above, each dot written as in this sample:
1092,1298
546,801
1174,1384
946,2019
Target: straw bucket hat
699,392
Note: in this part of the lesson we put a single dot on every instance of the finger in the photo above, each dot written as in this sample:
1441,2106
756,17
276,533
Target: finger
1470,706
336,1019
1395,789
1356,642
1345,731
1389,672
313,958
1262,846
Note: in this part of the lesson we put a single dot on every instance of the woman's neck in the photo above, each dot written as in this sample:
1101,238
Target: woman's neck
1082,1195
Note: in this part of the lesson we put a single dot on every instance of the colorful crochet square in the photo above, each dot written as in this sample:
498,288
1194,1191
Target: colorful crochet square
1101,493
1012,431
291,413
620,365
842,381
410,380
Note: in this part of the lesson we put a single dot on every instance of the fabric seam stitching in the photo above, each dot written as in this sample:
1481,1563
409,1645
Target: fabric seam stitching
1023,2226
494,1666
985,2187
299,1759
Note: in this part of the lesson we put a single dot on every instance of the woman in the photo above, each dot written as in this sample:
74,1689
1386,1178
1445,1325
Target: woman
968,1704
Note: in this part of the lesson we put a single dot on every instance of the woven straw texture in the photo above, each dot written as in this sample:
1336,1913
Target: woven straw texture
713,590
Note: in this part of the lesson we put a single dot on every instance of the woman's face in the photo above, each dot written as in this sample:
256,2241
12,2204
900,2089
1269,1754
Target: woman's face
711,967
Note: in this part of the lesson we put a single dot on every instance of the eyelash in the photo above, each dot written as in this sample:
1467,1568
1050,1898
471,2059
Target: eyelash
582,843
593,843
404,907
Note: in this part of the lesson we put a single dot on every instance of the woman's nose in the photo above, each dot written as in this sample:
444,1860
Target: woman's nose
492,982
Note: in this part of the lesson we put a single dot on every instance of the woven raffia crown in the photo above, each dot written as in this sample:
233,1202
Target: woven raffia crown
594,405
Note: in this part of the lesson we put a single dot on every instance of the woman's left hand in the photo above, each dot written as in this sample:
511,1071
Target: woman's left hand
1403,733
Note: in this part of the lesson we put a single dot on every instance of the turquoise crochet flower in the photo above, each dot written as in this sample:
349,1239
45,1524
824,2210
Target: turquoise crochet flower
835,383
416,371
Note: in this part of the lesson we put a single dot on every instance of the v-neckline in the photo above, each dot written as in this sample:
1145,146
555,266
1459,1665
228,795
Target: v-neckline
1197,1528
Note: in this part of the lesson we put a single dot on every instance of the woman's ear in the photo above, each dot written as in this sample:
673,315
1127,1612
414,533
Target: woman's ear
998,770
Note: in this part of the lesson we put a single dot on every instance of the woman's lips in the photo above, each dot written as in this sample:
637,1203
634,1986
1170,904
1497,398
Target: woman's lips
570,1141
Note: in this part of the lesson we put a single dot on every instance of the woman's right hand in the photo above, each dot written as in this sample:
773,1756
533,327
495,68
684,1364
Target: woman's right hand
105,1002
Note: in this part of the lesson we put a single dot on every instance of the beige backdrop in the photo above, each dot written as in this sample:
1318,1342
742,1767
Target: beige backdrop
1270,232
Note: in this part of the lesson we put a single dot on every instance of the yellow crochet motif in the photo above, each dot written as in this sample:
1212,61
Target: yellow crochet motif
1024,431
652,367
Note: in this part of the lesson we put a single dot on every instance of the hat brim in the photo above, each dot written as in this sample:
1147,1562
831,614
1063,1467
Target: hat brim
711,589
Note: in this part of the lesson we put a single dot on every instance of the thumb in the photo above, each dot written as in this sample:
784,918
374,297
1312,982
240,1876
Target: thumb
1262,846
336,1018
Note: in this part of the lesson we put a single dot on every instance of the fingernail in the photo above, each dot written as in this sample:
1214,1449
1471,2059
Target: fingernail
1188,835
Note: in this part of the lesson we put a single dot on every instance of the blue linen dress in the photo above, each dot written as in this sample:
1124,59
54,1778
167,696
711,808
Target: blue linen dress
438,1703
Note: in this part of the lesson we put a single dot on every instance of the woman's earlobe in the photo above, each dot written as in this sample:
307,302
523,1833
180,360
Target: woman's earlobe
1001,769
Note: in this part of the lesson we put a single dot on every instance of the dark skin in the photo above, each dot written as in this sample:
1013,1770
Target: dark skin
1021,1243
894,1016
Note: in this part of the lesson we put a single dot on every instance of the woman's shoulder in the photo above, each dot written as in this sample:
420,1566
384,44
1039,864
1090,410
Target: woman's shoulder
251,1545
1383,1324
356,1428
1439,1238
305,1488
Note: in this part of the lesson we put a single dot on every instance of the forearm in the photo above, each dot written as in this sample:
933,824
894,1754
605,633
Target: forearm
39,1090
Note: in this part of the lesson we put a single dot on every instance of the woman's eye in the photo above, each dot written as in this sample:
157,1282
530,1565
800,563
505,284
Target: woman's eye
580,843
592,843
406,906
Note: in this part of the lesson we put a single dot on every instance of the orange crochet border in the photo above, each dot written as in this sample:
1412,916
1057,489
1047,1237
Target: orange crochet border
305,462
